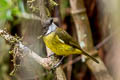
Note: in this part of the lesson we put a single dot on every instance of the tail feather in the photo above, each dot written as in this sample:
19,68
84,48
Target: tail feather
86,54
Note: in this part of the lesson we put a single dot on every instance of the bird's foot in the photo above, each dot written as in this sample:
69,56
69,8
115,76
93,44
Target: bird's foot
58,64
52,54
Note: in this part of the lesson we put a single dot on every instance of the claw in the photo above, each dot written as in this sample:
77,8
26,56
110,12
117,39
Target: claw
51,54
58,64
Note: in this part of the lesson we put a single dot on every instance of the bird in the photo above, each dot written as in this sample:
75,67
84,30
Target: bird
60,42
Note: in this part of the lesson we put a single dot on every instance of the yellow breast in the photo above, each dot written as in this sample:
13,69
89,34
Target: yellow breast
53,42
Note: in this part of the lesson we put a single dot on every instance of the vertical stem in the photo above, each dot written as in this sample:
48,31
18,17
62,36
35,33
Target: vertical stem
69,68
84,34
60,74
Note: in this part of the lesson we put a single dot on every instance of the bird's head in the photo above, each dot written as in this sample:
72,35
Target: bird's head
49,27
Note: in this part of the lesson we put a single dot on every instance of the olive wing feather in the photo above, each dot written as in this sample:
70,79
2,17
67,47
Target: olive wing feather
64,36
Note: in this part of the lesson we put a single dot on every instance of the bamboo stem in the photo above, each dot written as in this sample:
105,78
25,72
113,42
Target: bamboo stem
84,35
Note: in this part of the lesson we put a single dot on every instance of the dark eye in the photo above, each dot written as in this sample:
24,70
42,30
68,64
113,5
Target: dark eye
51,20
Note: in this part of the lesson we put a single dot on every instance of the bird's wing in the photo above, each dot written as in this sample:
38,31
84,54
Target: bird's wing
67,39
64,36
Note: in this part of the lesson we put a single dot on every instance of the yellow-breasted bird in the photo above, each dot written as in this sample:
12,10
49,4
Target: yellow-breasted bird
60,42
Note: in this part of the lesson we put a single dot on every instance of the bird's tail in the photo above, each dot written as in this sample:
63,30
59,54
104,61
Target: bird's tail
86,54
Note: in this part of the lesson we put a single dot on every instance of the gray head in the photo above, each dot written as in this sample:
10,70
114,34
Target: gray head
49,26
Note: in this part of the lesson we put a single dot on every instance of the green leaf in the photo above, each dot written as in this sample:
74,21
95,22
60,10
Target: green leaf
9,15
10,8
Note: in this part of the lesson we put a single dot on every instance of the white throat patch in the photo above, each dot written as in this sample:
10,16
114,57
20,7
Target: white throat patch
52,28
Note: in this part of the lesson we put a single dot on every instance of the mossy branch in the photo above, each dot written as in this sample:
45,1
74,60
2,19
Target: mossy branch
22,50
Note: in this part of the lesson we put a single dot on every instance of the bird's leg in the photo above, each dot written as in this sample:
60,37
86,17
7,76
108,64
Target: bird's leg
56,65
52,54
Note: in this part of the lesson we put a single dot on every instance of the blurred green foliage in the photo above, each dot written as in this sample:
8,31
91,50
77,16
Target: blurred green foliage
11,8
